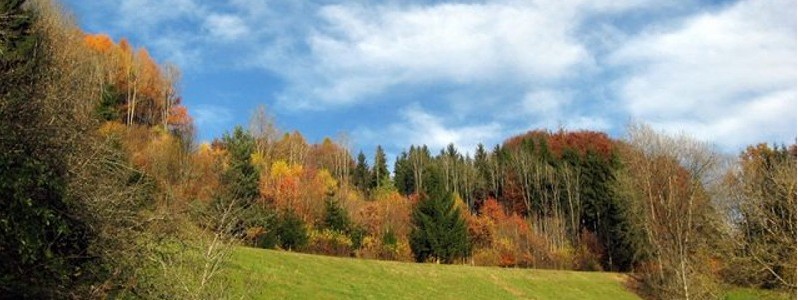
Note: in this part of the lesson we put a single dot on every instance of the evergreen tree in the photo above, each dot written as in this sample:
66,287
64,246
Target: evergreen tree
605,214
403,175
482,165
379,173
335,217
241,177
239,181
289,233
439,230
361,173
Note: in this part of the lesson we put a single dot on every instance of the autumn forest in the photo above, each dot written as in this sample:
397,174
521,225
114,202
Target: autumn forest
106,192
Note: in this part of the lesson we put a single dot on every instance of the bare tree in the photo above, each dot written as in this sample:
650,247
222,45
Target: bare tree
665,177
760,198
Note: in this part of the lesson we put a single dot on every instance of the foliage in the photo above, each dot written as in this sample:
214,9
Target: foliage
331,242
289,233
241,178
360,177
439,231
44,242
762,193
379,173
335,217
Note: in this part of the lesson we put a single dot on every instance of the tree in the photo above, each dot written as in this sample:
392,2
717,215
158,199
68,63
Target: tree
403,177
239,182
290,232
439,231
241,177
379,173
761,189
361,173
335,217
663,183
264,129
43,243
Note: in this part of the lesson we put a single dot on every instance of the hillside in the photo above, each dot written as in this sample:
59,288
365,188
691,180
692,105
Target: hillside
285,275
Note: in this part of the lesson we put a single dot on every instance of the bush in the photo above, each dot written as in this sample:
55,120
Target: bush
288,233
329,242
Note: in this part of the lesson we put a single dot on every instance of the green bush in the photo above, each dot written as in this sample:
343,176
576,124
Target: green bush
289,232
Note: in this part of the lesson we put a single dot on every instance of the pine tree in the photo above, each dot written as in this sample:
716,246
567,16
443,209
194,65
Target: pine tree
379,173
335,217
439,231
361,173
239,182
482,184
403,177
241,178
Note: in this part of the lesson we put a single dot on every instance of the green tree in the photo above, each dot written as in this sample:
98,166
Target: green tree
335,216
285,230
239,182
403,176
241,177
379,173
361,173
439,231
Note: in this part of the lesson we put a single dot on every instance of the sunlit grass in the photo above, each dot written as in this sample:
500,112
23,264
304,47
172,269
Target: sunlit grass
268,274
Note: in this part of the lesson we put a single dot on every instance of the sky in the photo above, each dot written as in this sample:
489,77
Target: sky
397,73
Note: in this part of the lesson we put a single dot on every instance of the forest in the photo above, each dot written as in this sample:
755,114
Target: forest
104,191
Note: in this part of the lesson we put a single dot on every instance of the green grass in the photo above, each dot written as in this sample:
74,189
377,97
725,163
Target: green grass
754,294
267,274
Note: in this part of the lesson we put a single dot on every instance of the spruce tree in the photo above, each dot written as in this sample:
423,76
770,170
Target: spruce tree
335,217
361,173
439,231
239,182
403,177
379,173
241,178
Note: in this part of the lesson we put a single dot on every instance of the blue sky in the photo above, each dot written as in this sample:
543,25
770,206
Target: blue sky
397,73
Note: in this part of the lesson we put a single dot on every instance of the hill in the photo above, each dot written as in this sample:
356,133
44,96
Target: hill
286,275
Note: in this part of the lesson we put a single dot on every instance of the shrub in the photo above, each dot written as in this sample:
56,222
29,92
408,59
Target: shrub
288,233
329,242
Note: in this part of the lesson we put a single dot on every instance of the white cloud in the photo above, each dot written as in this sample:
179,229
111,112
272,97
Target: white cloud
359,51
419,127
226,27
728,77
207,115
543,103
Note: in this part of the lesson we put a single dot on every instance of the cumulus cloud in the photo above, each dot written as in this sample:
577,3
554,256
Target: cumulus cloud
727,76
359,51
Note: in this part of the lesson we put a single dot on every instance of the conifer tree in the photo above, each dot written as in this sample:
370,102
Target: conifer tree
361,174
379,173
241,178
335,217
403,177
439,231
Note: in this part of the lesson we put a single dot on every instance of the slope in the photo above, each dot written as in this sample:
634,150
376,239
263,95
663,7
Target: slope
267,274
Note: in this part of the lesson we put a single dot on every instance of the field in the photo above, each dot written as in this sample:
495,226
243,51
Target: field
267,274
